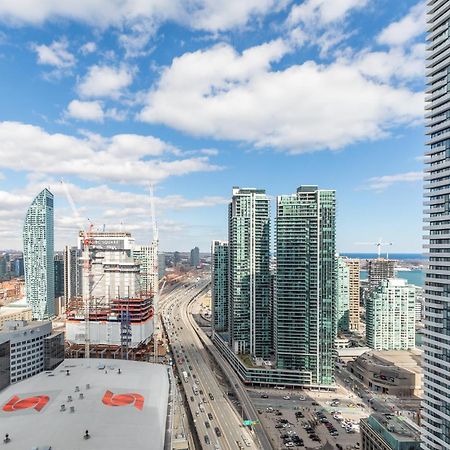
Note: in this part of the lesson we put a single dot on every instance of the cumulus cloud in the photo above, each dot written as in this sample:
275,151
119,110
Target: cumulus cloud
383,182
301,108
105,81
209,15
92,111
125,158
397,63
320,22
88,47
406,29
85,110
56,54
322,12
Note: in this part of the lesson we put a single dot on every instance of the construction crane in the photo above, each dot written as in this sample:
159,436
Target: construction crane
85,258
154,275
378,244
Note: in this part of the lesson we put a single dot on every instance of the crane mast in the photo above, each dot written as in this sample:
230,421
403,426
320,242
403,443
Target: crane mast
85,259
155,275
378,244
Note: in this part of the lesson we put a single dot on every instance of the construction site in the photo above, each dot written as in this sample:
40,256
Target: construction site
114,312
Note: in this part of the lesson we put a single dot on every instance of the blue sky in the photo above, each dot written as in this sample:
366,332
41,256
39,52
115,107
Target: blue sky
197,96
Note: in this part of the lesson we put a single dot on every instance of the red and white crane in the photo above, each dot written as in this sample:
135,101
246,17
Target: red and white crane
86,260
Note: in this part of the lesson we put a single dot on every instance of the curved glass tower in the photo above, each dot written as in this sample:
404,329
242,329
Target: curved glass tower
38,256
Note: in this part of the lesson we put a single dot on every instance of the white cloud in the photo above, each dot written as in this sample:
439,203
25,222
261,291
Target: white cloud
406,29
105,81
385,181
85,110
88,47
301,108
121,158
395,64
56,54
210,15
116,114
322,12
320,22
93,110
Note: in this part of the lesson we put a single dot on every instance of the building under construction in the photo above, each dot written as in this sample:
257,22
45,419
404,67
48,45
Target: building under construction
118,305
116,310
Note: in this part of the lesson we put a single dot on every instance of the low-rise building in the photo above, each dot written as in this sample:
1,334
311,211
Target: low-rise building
14,311
89,404
389,432
28,344
395,372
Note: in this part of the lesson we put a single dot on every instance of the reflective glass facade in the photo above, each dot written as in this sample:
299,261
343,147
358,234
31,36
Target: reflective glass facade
38,252
305,292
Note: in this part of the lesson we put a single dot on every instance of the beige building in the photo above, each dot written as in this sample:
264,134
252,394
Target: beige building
354,293
14,312
393,372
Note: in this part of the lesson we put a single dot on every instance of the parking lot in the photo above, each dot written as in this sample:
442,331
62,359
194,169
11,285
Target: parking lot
309,419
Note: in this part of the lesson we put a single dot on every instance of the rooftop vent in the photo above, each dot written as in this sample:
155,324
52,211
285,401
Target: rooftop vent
69,398
63,408
7,439
88,386
72,409
67,372
87,435
119,372
77,388
81,396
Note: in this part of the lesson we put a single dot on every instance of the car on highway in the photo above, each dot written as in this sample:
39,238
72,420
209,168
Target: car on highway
192,398
287,397
264,396
218,432
207,441
211,396
207,424
210,416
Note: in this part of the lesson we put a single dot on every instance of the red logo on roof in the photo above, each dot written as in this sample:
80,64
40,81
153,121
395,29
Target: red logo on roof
111,399
16,403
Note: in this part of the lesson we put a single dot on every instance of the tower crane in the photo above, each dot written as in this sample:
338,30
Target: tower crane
155,275
85,258
378,244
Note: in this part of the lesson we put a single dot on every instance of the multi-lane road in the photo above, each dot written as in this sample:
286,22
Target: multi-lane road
217,424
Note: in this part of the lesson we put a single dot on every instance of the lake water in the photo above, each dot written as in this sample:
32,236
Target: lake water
398,256
415,277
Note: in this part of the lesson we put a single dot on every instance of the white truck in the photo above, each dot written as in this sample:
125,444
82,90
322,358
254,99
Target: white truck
185,376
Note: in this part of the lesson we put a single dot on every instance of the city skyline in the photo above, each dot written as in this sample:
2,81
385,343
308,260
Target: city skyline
94,103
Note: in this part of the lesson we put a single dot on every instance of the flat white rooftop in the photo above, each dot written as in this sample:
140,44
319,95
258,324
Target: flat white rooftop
125,410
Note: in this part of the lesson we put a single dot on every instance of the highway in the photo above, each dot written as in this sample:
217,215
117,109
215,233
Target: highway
191,357
248,407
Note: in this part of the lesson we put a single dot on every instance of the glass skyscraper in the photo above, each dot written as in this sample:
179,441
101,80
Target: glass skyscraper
249,288
342,295
38,253
219,285
305,291
391,315
436,364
